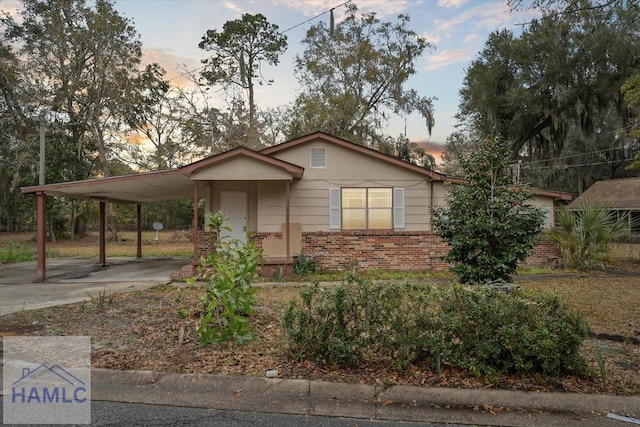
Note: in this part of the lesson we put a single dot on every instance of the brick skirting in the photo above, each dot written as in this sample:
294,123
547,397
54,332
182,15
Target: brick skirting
382,250
388,250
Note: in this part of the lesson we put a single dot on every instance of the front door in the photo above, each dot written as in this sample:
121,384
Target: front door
234,206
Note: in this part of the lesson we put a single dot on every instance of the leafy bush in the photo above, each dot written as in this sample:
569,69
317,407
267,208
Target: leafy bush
479,329
488,224
487,332
360,321
229,299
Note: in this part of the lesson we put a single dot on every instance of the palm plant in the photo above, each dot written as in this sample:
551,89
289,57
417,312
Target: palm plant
583,237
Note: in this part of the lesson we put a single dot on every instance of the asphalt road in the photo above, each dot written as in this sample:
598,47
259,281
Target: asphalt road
135,414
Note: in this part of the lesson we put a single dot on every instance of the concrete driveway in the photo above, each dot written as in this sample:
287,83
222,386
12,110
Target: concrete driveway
72,280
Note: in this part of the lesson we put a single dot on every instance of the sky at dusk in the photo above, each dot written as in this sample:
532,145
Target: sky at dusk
171,30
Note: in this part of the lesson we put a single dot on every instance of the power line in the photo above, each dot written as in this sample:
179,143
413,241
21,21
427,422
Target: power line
317,16
576,165
189,72
576,155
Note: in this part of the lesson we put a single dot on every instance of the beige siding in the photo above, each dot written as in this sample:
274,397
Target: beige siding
346,168
241,169
271,206
213,203
309,206
546,204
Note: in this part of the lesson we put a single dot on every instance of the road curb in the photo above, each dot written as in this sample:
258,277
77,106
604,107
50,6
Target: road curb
300,396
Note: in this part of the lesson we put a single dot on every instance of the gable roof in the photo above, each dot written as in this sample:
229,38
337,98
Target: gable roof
242,152
436,176
623,193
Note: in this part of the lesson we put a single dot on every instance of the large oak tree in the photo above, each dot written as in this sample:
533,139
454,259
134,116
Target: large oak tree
353,77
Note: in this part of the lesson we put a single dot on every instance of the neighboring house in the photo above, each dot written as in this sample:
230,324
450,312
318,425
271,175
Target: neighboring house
316,195
621,196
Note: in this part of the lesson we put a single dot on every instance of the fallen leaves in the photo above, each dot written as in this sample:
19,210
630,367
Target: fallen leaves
155,330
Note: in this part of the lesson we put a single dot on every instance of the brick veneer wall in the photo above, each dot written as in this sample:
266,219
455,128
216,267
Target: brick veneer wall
206,241
384,250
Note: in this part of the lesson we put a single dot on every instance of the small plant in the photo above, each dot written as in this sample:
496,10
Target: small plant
305,265
229,298
603,372
102,298
278,275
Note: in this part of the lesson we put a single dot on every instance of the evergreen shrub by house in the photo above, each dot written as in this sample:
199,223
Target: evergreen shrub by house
489,224
486,332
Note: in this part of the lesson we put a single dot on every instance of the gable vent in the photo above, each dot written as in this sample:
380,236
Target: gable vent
318,157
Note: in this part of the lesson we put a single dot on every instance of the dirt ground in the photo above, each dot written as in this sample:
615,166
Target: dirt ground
155,330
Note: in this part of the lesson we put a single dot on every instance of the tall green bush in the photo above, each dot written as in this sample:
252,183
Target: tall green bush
487,222
228,272
584,237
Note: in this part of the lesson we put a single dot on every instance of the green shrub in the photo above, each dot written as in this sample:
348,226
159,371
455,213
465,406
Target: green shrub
360,321
16,252
487,332
481,330
584,237
490,225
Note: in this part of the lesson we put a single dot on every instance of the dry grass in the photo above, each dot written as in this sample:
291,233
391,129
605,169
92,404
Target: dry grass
169,243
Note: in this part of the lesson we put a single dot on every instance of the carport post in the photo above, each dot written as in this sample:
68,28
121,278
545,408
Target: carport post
102,261
41,231
139,246
196,257
288,221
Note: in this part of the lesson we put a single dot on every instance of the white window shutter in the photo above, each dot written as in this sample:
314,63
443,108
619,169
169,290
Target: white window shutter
334,208
398,207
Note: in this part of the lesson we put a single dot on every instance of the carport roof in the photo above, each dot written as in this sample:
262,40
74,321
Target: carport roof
155,186
135,188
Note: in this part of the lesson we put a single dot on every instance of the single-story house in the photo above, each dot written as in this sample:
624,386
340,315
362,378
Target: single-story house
621,196
317,195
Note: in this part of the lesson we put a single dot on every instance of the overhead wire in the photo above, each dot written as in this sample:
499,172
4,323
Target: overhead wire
573,155
190,72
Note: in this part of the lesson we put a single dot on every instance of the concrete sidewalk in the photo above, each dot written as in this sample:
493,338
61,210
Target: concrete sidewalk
401,403
73,280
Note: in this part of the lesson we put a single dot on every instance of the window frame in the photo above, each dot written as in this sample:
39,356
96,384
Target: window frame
367,209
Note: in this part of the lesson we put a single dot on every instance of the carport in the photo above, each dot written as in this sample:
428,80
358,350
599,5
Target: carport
135,189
